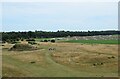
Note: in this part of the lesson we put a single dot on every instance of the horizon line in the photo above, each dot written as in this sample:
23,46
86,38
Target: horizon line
61,30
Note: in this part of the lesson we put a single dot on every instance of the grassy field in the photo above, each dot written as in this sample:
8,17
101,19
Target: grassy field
94,41
66,60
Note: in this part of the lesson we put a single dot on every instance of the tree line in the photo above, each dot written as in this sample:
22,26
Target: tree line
44,34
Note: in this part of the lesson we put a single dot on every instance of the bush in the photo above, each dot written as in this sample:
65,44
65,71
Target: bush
22,39
17,39
53,41
45,40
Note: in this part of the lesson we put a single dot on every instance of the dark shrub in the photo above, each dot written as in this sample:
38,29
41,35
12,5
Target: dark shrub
112,57
17,39
45,40
101,63
22,39
94,64
53,41
32,62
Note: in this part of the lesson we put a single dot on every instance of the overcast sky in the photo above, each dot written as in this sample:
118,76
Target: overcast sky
53,16
59,0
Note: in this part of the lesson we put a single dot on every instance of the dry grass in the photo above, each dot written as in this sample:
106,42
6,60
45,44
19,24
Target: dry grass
22,47
85,56
75,59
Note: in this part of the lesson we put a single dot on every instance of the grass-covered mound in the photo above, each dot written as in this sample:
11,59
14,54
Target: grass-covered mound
22,47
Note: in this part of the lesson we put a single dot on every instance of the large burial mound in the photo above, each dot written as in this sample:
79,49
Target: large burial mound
22,47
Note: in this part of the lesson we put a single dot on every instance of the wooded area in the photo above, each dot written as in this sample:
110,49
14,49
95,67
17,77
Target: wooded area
45,34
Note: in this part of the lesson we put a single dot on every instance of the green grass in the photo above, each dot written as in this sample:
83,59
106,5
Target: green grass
94,41
34,70
39,39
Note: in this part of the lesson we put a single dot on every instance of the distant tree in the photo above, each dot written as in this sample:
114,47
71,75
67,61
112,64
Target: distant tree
7,36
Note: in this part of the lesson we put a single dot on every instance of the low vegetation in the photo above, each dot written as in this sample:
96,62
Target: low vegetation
6,36
94,41
22,47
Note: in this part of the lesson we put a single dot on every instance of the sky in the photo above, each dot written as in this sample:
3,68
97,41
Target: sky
53,16
59,0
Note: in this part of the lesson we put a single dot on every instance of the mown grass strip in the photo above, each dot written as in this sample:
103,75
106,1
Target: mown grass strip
94,41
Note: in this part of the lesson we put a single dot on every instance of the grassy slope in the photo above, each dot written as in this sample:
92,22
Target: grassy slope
94,41
13,66
51,69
